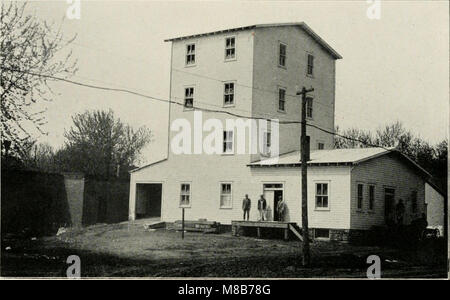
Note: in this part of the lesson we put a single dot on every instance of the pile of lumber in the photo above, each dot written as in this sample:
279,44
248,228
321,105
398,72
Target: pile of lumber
198,226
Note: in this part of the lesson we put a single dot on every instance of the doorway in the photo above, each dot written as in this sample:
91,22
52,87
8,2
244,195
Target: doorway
272,193
148,200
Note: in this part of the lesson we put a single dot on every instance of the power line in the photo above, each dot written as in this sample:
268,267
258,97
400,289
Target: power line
123,90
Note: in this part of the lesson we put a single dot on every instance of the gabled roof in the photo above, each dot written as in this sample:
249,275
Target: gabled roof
344,157
302,25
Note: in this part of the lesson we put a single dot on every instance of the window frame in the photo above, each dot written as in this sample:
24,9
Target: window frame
181,194
281,88
280,44
316,230
308,66
185,107
228,48
310,99
267,143
231,152
358,198
328,183
225,94
194,54
221,194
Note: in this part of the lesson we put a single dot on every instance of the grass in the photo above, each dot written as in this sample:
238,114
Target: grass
120,250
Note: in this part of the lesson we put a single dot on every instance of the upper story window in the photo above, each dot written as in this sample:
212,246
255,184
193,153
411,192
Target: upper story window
282,99
309,107
230,48
320,146
310,66
228,95
282,55
185,194
190,54
228,142
360,196
371,197
189,97
321,195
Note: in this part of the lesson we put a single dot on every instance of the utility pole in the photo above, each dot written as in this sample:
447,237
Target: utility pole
304,155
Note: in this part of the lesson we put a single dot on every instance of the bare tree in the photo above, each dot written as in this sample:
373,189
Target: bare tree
30,50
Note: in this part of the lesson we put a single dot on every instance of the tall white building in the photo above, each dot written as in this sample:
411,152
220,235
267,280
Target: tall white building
256,71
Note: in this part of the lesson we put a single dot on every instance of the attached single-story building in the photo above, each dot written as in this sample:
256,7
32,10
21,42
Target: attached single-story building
349,190
435,203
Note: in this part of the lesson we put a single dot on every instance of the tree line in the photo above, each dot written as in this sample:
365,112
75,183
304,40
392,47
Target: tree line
432,158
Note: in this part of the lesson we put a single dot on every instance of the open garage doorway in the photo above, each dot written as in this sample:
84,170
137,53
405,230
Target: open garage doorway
148,200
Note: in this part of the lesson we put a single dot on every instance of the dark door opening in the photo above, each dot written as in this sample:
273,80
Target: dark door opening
148,200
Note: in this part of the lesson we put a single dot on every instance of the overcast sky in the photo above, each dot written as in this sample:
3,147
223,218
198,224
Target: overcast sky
394,68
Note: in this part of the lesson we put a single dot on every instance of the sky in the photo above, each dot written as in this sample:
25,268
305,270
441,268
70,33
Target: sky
393,68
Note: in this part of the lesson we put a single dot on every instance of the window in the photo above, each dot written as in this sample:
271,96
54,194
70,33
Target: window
321,233
185,195
281,99
228,142
309,107
190,54
225,195
189,97
360,196
228,96
230,48
371,197
320,146
282,55
321,195
310,67
267,140
414,201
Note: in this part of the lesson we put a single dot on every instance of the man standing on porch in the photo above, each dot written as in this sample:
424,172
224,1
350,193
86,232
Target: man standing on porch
246,204
262,205
281,207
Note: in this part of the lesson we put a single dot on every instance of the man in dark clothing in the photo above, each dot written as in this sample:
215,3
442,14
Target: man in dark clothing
262,205
246,204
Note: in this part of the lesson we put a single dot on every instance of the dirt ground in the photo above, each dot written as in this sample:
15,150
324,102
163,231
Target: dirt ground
123,250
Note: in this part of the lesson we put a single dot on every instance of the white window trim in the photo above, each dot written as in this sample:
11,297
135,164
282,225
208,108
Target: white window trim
234,93
225,50
232,143
279,87
190,194
220,195
278,55
329,195
193,98
186,54
362,201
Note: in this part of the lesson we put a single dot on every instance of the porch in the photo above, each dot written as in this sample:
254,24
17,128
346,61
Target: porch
237,226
